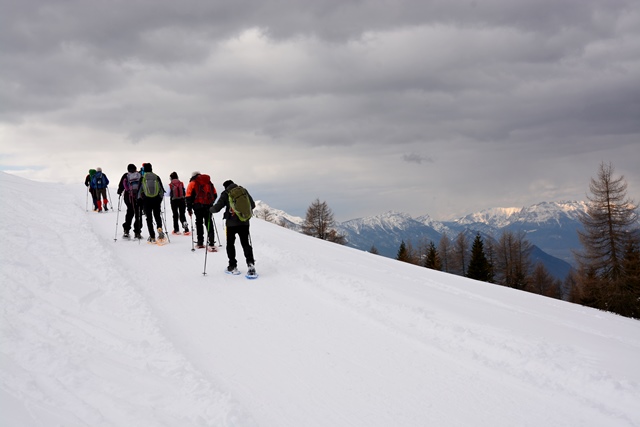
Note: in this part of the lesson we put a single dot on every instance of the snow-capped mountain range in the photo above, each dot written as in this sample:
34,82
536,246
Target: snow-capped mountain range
550,226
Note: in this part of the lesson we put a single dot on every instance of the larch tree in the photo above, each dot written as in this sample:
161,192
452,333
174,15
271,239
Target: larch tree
460,254
610,232
319,222
445,249
513,260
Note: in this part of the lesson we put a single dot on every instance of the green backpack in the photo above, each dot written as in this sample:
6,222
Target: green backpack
240,203
150,186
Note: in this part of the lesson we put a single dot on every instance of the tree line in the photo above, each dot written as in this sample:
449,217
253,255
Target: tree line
608,272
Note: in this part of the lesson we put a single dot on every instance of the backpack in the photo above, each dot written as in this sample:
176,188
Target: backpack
205,191
98,180
240,203
177,189
132,182
150,186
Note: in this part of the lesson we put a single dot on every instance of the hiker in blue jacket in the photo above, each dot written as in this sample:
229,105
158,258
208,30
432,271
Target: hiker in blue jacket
99,182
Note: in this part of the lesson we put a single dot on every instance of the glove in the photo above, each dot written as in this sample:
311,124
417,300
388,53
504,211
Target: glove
119,193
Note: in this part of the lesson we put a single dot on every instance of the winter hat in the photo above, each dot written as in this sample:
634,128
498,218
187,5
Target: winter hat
227,183
194,173
147,167
98,169
92,172
173,175
131,168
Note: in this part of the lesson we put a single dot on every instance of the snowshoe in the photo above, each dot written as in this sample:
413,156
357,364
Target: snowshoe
162,238
251,273
151,240
232,270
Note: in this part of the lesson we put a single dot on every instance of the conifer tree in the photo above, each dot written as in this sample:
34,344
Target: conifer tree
479,267
610,233
432,260
403,253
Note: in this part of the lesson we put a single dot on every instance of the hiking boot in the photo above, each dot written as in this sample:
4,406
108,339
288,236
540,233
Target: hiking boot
185,225
175,232
137,236
252,270
160,233
151,240
126,235
232,270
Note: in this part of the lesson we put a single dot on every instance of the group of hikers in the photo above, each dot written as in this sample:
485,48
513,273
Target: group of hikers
143,193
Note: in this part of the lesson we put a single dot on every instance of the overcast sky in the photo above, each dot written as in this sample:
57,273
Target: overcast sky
424,107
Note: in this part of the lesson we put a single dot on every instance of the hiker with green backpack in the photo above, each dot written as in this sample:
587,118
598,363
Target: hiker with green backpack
151,194
238,205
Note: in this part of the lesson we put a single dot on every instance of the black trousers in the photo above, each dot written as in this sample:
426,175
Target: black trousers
152,209
178,207
243,234
203,220
133,213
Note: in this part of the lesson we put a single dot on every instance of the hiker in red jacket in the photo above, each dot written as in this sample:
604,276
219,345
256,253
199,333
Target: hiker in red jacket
201,194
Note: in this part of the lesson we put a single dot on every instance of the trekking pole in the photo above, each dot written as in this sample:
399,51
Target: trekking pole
215,227
164,212
86,203
206,252
109,196
115,236
164,219
193,249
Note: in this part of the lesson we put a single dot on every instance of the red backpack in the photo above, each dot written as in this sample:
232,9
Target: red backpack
177,189
205,191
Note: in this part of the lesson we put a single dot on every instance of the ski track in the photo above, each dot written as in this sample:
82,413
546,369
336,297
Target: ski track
63,342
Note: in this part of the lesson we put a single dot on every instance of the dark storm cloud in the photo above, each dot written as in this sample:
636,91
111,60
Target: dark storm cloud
354,86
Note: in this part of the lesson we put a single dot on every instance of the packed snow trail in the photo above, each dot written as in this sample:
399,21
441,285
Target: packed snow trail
327,335
80,344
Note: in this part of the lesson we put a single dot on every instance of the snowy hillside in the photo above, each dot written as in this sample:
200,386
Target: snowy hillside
97,332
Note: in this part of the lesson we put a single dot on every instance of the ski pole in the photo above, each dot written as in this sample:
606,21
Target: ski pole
115,236
86,203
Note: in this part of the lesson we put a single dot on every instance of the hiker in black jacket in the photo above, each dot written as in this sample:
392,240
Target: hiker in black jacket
235,226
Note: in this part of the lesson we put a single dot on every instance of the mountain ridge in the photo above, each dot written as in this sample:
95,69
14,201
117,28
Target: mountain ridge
550,225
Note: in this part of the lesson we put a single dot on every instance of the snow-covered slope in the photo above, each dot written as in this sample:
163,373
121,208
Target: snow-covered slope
97,332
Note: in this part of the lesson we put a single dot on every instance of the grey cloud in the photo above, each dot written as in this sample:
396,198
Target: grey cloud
416,158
